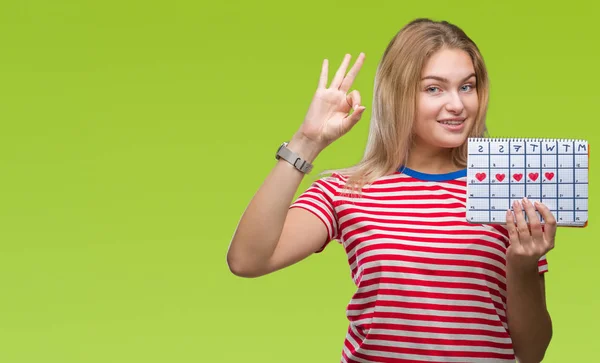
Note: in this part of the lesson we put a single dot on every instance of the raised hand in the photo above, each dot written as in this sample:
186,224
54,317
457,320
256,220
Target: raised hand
328,116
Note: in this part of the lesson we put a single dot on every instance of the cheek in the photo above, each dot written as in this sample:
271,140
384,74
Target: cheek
428,108
472,103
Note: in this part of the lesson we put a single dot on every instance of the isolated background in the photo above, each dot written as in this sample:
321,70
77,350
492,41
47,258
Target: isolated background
134,133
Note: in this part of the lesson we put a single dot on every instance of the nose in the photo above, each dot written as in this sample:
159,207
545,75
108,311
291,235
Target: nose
454,104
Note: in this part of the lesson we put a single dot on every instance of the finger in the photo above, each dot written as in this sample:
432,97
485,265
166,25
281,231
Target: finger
351,120
522,228
534,222
324,75
353,98
549,222
511,226
351,76
339,75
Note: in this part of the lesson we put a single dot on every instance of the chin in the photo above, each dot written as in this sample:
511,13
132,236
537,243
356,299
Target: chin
450,142
453,145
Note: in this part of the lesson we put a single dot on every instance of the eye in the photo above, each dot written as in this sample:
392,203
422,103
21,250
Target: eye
432,89
467,88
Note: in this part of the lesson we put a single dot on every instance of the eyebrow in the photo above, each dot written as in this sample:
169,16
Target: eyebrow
442,79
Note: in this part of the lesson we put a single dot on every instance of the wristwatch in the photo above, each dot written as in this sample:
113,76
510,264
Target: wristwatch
291,157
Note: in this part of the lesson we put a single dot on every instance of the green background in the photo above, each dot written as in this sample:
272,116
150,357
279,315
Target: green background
134,134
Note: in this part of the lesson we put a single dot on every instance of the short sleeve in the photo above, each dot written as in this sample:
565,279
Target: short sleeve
319,200
543,265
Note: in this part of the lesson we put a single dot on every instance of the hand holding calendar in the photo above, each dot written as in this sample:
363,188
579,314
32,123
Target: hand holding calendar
551,171
528,241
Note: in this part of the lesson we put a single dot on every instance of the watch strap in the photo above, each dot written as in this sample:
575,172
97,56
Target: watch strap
293,158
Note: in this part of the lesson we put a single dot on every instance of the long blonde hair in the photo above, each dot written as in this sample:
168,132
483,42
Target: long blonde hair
395,98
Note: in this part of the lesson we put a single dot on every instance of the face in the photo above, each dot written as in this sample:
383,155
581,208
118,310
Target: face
447,100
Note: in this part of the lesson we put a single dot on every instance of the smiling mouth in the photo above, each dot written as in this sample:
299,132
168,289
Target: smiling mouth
451,122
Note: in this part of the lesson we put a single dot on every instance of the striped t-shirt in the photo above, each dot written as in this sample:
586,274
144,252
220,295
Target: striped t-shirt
431,287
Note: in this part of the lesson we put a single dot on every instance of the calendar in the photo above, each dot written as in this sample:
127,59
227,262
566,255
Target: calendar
551,171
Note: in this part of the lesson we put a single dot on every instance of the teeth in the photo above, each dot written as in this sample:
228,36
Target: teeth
452,122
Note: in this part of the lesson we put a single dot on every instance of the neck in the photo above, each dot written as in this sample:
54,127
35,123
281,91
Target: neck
431,161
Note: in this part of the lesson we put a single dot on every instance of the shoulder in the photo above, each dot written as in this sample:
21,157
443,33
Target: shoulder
346,181
332,183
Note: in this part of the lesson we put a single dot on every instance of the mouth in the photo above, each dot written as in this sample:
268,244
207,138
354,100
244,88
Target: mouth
453,124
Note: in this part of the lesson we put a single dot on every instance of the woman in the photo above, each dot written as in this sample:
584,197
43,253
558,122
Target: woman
430,285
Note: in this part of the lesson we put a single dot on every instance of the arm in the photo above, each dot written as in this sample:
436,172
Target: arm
269,235
529,322
256,249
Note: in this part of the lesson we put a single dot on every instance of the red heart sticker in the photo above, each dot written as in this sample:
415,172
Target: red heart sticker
533,176
518,177
480,176
549,175
500,177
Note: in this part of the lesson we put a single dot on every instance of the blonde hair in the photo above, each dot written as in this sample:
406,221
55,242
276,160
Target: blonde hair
395,98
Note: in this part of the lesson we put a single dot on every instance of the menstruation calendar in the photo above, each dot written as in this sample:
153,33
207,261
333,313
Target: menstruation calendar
551,171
